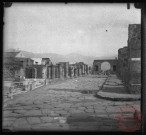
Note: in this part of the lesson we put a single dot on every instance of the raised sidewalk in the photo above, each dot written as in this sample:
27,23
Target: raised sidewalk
113,89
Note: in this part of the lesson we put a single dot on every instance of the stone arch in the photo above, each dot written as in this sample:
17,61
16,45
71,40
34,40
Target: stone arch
111,65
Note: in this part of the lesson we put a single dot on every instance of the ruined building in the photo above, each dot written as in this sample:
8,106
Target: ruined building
97,65
129,60
14,64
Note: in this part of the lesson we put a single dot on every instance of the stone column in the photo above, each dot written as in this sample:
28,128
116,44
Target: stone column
74,72
56,72
80,71
49,72
60,70
66,69
34,73
63,71
69,70
85,69
53,71
44,75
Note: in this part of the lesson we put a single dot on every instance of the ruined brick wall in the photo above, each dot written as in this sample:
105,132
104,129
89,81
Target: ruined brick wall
39,72
96,68
134,55
123,63
30,72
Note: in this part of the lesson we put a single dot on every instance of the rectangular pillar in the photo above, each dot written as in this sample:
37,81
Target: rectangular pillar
56,72
134,61
49,72
80,71
66,69
60,71
53,71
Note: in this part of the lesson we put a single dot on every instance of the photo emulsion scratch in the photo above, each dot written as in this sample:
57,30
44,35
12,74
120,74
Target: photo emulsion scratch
71,67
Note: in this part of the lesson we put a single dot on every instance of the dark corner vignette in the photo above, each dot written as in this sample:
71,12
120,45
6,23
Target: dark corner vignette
38,79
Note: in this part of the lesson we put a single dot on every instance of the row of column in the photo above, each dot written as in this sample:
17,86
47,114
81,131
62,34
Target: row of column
64,70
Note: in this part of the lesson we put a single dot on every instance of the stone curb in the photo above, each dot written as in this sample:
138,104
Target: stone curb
116,97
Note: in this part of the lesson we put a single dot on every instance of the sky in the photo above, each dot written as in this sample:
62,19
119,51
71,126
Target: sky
88,29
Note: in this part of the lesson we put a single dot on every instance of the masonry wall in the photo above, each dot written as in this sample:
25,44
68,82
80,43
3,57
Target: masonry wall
97,65
129,60
134,65
123,64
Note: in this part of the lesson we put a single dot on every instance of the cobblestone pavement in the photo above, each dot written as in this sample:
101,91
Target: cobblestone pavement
44,110
90,82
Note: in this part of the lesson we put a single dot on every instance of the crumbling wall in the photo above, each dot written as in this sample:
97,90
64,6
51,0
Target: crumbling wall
134,65
123,64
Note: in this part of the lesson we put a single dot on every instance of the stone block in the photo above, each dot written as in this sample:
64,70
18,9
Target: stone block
134,89
46,119
135,43
134,53
34,120
134,78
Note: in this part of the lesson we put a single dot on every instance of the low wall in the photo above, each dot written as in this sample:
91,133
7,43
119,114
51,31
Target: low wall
32,84
25,86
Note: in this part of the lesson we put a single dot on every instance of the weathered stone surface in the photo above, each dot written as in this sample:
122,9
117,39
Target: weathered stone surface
46,119
33,113
89,110
99,111
7,123
55,111
7,113
81,108
102,115
61,112
34,120
21,124
64,105
47,111
10,114
76,111
113,109
20,111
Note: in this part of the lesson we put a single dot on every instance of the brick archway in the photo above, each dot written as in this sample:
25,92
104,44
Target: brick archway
97,65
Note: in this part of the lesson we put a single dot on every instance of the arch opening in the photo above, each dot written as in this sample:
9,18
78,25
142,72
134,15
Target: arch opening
105,66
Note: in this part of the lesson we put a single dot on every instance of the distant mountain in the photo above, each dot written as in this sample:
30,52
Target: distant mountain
72,57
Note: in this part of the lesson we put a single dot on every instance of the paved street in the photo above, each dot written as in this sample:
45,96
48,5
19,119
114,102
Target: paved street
46,109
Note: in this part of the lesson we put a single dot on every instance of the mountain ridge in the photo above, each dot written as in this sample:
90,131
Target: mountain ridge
72,57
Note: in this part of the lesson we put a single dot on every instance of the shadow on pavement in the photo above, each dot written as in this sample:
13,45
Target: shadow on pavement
89,122
119,90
